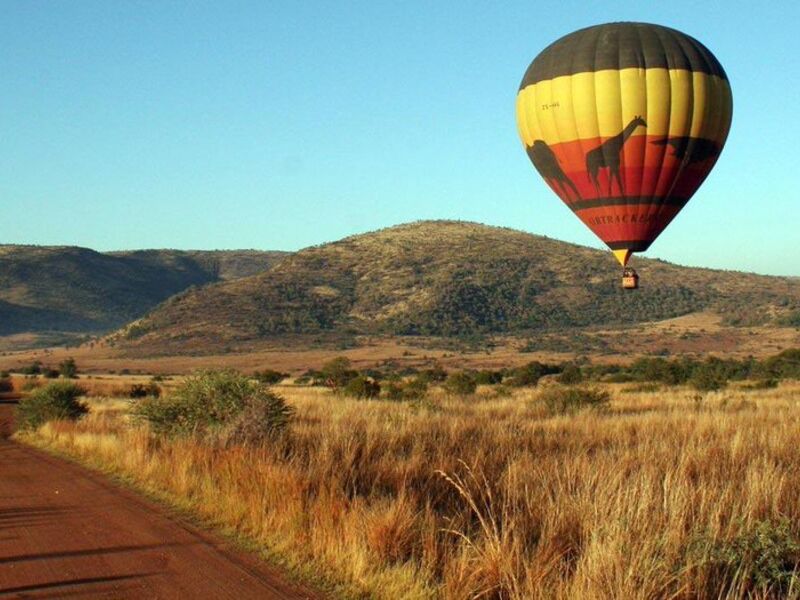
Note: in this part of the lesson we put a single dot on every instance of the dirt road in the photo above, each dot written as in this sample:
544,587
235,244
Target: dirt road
66,532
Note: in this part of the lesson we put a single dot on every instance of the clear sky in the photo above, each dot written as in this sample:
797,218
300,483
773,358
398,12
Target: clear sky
278,125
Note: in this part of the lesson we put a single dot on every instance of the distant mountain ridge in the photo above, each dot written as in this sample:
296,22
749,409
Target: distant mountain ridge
73,289
445,278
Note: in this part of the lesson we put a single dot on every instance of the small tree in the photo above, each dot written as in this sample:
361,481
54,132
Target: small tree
337,372
362,387
57,400
218,405
570,375
270,376
68,368
460,384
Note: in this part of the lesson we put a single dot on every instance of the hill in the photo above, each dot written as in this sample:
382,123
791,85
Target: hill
71,289
449,279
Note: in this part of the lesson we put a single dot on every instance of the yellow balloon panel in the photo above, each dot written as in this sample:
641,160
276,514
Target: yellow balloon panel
596,104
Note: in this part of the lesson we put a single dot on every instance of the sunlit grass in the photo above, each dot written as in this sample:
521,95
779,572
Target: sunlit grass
493,497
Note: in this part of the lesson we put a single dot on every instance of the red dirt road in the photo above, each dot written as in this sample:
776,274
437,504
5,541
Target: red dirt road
66,532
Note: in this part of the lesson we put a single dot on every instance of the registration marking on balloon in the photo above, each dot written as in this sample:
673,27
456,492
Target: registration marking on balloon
624,122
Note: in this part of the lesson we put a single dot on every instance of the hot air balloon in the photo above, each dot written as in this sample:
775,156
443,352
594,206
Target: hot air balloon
624,121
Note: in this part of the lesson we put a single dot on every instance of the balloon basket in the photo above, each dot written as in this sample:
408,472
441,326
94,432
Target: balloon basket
630,279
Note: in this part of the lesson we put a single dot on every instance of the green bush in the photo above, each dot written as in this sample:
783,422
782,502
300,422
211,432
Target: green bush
6,385
570,375
68,368
762,384
337,372
49,373
707,380
270,376
530,374
762,561
32,382
488,377
57,400
141,390
34,368
460,384
561,401
411,391
435,374
362,387
214,403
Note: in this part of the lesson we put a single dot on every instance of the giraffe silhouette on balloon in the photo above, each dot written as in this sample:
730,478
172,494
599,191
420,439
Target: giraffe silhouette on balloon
607,156
546,162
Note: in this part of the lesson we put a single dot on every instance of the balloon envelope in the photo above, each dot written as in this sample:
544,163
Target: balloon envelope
624,121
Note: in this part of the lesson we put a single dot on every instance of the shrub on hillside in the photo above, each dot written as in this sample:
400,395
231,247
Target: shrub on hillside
559,401
6,385
57,400
217,404
362,387
460,384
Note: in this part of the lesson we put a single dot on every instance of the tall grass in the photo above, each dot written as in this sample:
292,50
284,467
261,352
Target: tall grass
665,494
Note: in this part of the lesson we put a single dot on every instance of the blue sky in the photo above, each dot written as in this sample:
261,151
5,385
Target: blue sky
278,125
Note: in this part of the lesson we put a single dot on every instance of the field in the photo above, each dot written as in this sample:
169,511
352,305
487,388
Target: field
666,493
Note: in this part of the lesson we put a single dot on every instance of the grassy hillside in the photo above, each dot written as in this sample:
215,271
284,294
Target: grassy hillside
451,279
80,290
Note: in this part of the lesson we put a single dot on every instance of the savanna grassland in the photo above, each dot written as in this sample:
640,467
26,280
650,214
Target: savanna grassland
662,492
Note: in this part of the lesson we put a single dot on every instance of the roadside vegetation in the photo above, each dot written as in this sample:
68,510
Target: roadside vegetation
546,481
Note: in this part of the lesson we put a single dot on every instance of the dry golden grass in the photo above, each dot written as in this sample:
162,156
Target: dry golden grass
492,497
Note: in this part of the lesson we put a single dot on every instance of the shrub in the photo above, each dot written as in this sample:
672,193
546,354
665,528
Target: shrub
762,384
270,376
57,400
211,402
362,387
413,390
762,561
570,375
68,368
707,380
530,374
646,387
264,418
488,377
394,391
435,374
32,382
460,384
337,372
560,401
49,373
6,385
141,390
34,368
